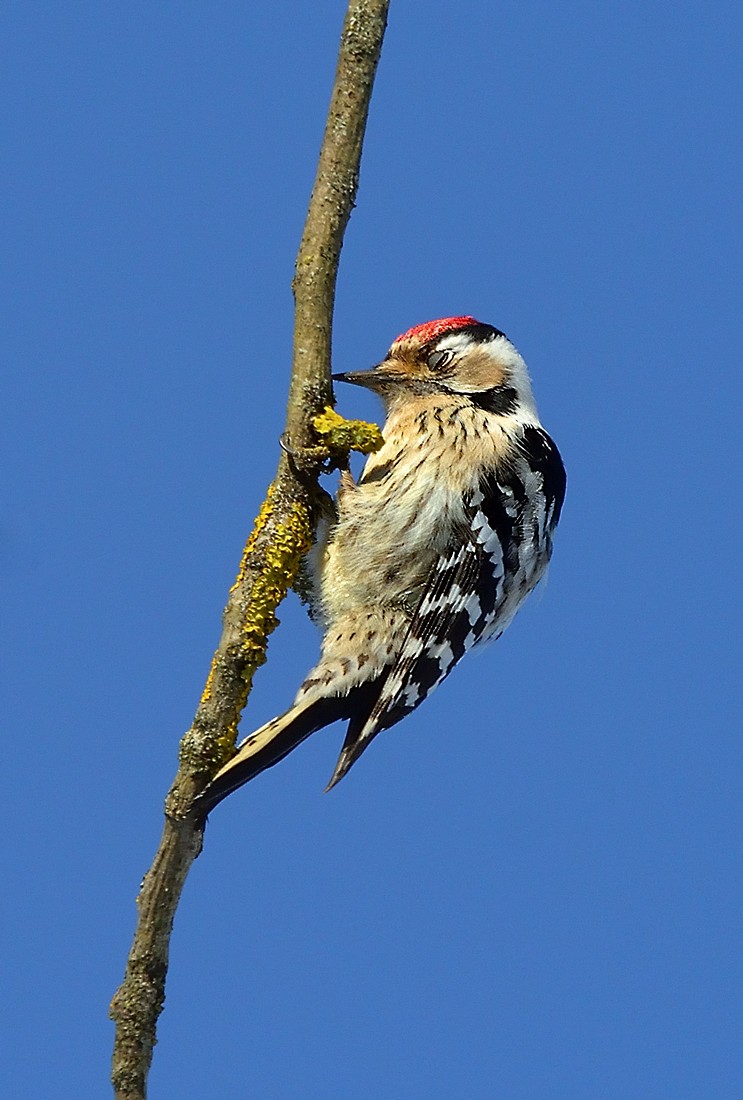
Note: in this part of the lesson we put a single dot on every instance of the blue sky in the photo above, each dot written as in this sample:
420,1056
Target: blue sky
532,889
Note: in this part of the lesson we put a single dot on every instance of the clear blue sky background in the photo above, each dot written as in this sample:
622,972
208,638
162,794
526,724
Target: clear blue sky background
532,889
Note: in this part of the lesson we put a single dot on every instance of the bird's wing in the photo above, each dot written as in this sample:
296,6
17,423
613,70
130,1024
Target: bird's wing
458,604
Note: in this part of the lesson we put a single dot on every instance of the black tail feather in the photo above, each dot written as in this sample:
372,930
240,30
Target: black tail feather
291,729
357,741
351,751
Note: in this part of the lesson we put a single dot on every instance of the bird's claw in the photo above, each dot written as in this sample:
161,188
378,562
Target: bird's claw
304,459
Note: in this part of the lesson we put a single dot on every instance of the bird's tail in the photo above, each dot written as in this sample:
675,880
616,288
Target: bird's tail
353,746
271,743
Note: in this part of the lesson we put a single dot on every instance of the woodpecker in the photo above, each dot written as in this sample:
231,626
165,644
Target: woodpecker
432,552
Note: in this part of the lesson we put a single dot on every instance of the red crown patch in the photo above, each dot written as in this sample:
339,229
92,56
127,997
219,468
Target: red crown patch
433,329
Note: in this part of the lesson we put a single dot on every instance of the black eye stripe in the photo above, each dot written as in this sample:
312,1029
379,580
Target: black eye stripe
501,400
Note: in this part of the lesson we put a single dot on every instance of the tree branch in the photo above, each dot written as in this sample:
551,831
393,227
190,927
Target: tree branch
282,533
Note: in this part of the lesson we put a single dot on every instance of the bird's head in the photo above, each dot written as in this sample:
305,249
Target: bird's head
456,356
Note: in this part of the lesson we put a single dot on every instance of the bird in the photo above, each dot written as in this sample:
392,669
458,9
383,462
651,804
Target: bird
431,552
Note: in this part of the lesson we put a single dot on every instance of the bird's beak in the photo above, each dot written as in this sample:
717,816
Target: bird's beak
379,378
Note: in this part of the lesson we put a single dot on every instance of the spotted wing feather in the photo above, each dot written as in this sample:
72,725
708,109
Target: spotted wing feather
464,591
475,587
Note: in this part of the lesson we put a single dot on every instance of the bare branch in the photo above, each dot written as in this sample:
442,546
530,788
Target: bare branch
282,533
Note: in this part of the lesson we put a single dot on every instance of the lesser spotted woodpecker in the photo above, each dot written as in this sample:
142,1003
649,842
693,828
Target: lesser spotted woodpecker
432,552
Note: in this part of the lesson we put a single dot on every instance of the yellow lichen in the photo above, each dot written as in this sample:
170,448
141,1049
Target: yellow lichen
207,692
290,540
341,436
260,522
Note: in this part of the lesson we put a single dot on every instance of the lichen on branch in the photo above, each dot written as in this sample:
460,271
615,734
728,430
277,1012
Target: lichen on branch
208,745
341,436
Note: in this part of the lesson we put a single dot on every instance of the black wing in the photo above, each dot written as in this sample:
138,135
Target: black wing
459,601
502,548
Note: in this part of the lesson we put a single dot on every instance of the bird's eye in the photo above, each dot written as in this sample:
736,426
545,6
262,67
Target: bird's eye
439,359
